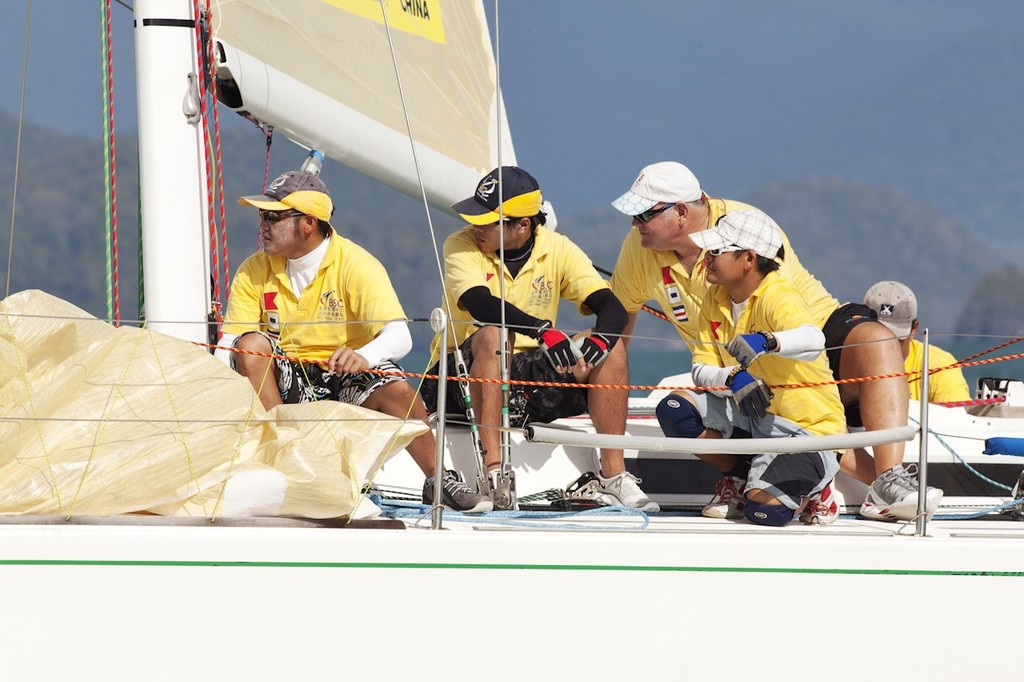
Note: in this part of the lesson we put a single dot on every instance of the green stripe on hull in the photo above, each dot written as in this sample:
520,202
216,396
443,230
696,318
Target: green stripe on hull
509,567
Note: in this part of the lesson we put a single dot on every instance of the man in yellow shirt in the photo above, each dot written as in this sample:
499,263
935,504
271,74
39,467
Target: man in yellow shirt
660,262
313,312
755,331
896,307
539,268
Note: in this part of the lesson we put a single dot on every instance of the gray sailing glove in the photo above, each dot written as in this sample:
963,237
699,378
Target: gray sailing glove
751,395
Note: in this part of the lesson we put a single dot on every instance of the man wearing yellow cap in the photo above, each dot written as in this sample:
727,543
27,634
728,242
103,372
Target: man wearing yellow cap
540,267
313,312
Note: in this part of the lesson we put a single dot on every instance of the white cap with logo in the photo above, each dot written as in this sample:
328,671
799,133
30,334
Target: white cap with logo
666,182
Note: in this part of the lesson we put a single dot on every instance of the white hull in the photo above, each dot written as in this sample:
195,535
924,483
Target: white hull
680,599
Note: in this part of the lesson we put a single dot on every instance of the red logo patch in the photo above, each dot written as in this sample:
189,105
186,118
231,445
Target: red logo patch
487,277
714,328
269,300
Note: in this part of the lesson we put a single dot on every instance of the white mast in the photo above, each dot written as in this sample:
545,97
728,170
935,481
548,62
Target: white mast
172,158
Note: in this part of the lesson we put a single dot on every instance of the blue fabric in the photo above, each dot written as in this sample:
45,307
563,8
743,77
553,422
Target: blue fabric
767,514
1004,446
678,418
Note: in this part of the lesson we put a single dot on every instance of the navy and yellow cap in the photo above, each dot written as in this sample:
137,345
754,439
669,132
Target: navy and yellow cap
520,196
296,190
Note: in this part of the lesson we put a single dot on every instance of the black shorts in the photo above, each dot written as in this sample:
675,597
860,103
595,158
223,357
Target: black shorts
836,328
534,404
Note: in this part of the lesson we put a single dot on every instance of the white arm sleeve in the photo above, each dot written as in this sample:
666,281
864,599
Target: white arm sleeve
221,353
803,343
393,343
710,375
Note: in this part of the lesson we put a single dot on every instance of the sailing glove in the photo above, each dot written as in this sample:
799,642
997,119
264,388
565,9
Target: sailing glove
746,347
751,395
559,348
594,349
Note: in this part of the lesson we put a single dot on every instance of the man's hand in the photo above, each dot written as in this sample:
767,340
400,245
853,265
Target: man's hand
594,349
559,349
344,360
746,347
751,395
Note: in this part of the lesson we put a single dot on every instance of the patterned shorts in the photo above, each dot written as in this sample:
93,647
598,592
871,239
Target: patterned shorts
534,404
306,382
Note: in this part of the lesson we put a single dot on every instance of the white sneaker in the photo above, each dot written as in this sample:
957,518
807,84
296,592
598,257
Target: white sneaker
821,509
728,501
625,489
893,496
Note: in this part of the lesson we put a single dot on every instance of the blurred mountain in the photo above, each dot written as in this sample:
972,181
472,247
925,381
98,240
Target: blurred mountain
848,234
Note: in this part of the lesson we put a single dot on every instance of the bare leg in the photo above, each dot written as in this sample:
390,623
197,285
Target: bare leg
858,464
394,399
486,397
607,406
260,370
883,402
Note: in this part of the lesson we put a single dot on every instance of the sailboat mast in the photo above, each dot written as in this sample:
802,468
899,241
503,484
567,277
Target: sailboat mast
172,161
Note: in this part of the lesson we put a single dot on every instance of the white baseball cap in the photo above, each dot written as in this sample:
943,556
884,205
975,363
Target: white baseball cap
665,182
895,304
741,230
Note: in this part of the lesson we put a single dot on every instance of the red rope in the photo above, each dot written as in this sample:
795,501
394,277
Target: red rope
113,165
220,174
214,253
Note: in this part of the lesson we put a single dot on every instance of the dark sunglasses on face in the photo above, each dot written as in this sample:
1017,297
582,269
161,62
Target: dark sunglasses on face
277,216
649,214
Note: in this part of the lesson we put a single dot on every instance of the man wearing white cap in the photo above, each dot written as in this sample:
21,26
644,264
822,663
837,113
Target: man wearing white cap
896,307
659,261
755,330
313,312
535,269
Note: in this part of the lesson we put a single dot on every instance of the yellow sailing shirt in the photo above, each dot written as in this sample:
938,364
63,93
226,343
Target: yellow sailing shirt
947,386
776,305
556,269
643,275
347,303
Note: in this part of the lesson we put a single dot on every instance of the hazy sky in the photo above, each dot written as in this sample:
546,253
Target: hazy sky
740,90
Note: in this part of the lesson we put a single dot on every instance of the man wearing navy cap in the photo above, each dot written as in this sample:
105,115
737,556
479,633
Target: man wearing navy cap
539,268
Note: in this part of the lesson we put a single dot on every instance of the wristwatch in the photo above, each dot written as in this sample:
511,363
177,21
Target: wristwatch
771,344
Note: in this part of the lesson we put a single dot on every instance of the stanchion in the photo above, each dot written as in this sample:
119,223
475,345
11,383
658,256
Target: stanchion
921,527
439,323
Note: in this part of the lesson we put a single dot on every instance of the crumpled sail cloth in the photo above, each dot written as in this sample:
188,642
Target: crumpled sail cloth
98,420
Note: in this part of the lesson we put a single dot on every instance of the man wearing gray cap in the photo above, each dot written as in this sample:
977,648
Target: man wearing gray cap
896,307
659,261
313,313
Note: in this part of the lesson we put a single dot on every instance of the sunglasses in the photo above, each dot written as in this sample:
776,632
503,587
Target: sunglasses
649,214
277,216
725,249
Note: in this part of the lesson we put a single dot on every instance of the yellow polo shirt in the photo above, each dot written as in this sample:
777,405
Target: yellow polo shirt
556,269
947,386
347,303
775,305
643,275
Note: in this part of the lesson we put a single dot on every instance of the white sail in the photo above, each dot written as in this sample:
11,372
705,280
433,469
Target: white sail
321,72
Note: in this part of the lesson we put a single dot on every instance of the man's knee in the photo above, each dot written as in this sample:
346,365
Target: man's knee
767,514
679,418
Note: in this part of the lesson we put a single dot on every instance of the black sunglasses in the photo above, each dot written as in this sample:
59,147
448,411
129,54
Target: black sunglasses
649,214
277,216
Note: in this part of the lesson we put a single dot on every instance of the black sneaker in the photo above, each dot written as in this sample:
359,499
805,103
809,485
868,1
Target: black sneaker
456,494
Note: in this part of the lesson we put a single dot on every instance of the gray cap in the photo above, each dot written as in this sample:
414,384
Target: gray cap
895,304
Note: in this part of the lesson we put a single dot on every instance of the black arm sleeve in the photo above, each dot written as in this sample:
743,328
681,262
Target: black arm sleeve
611,316
486,307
